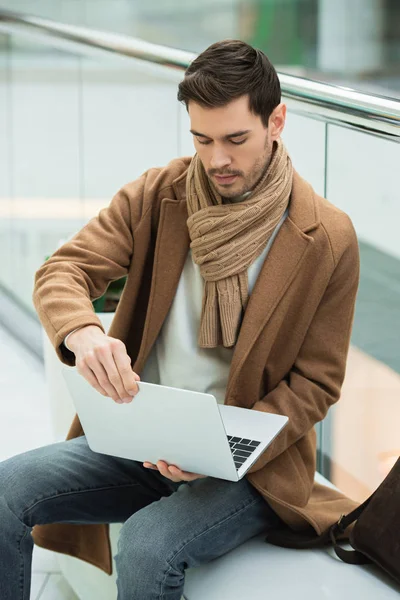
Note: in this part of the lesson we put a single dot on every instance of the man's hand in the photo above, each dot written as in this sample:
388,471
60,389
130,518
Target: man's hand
172,472
104,363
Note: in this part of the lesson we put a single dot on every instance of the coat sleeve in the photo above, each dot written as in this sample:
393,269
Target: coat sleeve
81,270
315,380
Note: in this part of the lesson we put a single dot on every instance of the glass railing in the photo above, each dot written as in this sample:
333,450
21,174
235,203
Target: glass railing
82,112
350,42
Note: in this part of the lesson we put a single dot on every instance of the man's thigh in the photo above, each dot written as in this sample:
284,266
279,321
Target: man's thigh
200,521
68,482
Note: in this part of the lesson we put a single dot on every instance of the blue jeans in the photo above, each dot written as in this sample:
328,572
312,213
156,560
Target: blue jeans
168,526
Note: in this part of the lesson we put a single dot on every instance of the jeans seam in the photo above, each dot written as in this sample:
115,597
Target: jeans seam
23,567
168,561
72,492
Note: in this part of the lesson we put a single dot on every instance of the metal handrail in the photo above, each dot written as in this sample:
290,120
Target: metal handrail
375,112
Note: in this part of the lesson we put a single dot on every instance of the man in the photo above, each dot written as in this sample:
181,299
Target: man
241,281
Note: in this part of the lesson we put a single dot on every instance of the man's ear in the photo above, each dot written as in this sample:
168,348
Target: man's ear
277,121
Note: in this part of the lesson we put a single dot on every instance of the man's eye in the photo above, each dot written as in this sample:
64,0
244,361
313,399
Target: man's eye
232,142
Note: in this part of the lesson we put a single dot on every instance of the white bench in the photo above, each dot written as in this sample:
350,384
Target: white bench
257,571
254,571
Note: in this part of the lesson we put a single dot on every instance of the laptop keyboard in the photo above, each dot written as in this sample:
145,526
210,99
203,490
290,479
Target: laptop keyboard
241,449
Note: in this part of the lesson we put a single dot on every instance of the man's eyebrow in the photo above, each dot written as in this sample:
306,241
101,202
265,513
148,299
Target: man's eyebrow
226,137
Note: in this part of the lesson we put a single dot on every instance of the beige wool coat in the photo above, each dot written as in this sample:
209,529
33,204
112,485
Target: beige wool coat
290,356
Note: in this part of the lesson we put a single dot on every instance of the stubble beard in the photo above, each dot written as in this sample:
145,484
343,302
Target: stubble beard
252,179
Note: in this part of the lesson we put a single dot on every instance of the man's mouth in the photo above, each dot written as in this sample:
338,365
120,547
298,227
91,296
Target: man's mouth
225,179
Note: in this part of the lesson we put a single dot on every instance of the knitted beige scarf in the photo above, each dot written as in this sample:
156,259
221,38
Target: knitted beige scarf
227,238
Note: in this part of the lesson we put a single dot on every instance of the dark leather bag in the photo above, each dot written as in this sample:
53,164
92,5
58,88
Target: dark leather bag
375,535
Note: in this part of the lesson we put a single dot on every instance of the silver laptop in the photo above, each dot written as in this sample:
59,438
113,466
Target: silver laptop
184,428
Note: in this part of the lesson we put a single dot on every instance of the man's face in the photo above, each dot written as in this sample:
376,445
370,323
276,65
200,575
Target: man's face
233,144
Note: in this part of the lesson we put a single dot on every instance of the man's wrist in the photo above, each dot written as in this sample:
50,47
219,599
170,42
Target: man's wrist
75,339
67,336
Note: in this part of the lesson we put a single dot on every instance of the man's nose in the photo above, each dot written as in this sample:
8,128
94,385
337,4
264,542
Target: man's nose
219,159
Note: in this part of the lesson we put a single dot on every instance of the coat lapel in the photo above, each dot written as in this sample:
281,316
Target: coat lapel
171,251
280,267
284,259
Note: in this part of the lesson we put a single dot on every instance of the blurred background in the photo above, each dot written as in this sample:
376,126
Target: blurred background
352,42
77,123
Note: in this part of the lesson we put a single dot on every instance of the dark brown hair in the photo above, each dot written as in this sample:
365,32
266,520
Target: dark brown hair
228,70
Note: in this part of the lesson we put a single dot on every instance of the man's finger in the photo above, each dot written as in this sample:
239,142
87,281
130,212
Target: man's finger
106,358
88,374
184,475
128,377
163,468
101,376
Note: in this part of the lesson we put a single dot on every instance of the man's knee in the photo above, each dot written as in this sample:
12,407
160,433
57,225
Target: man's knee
22,480
143,559
144,543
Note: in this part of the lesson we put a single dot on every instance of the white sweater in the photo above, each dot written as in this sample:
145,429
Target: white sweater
175,359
